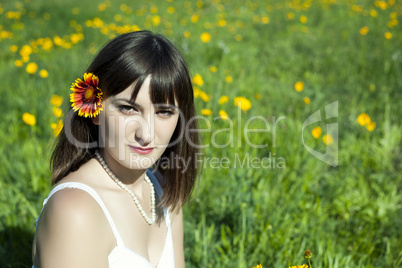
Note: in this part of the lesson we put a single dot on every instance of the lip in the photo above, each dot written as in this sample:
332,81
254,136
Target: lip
141,150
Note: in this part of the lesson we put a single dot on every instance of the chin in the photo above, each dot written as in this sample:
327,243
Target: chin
141,162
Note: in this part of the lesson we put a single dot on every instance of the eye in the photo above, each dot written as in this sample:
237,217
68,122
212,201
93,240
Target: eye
166,113
125,109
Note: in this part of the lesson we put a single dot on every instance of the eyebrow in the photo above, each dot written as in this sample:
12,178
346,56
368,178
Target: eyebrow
128,101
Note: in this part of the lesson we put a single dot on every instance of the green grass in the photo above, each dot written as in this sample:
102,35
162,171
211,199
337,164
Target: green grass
348,215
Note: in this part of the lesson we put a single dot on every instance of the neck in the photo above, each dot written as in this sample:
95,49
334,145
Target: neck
129,177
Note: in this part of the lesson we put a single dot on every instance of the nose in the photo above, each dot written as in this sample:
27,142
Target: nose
144,133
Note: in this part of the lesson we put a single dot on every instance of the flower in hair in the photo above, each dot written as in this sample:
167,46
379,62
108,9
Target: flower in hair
87,96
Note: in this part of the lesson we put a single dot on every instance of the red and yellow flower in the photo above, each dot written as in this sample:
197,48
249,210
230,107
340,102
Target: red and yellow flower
87,96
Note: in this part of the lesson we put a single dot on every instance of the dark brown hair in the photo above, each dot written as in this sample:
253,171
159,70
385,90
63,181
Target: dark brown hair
130,58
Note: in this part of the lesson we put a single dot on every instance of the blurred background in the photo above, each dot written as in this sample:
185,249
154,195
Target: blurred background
265,66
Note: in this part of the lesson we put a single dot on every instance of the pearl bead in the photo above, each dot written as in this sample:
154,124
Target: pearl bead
133,196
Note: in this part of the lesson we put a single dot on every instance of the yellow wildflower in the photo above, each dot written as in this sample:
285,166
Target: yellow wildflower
364,30
104,30
32,67
25,58
197,92
156,20
102,7
229,79
57,127
75,11
206,112
392,23
299,86
257,96
258,266
290,16
357,8
381,4
327,139
306,100
223,115
299,266
14,48
26,50
205,37
213,69
154,9
265,19
67,45
204,96
243,103
18,63
316,132
187,34
388,35
56,100
221,23
97,22
303,19
194,18
47,45
75,38
171,10
123,7
57,111
117,17
29,119
197,80
43,73
370,126
89,23
223,99
58,41
5,34
238,37
363,119
373,13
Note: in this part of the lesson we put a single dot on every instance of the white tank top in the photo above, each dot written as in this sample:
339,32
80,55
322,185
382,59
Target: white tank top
122,256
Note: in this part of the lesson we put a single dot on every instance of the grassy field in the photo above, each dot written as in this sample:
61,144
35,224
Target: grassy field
285,60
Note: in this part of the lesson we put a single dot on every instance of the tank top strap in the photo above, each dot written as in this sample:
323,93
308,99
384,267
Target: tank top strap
167,217
94,194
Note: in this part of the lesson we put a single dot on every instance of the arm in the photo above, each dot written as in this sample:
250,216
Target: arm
71,232
177,234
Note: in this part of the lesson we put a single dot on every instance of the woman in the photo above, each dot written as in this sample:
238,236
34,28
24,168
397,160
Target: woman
131,112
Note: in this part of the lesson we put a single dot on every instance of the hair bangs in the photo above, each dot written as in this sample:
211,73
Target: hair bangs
164,82
162,88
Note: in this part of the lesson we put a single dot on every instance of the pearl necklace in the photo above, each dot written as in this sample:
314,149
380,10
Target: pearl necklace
133,196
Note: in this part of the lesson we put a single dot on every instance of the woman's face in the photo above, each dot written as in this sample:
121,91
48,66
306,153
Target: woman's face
135,134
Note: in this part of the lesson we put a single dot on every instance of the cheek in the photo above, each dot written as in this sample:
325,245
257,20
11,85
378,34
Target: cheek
164,131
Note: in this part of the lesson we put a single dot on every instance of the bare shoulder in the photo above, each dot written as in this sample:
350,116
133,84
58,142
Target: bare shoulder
71,205
72,232
176,216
